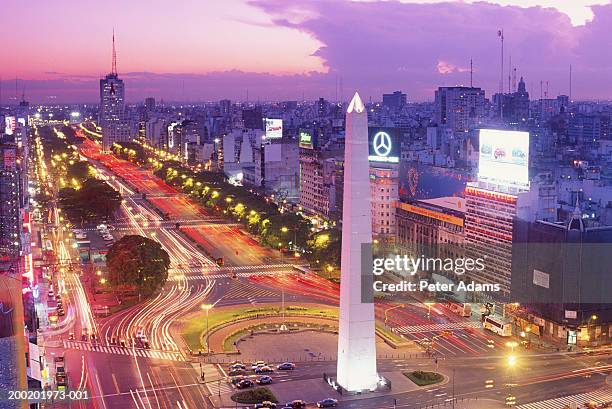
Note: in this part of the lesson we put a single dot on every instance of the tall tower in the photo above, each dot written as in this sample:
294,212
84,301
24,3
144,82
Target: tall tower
356,339
111,115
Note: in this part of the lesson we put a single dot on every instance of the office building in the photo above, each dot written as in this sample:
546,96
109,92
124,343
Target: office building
396,100
459,108
111,117
384,190
560,276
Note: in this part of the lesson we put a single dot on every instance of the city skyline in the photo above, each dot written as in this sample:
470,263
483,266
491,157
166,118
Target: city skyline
282,52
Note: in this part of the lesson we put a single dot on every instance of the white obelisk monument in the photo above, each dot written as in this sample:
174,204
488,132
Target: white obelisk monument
356,338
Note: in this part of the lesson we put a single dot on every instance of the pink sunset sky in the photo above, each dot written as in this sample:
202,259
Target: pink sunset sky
194,50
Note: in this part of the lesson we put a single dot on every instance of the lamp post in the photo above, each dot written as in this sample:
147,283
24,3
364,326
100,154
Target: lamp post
207,308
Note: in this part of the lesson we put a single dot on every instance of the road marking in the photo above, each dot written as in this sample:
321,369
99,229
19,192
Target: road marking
600,396
144,353
412,329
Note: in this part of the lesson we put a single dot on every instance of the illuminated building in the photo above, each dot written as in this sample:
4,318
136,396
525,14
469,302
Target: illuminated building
384,187
383,156
431,222
356,366
111,117
492,203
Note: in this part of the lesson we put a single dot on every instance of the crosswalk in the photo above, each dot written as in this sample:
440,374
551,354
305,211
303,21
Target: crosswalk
413,329
572,401
248,292
217,276
254,268
109,349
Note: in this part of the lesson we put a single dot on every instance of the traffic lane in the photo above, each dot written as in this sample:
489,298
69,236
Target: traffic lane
236,247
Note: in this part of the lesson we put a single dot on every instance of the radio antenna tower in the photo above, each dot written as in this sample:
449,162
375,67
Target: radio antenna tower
114,67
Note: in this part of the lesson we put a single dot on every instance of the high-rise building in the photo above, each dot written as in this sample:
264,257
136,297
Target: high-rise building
10,193
396,100
560,272
459,108
384,190
588,129
149,104
111,119
225,107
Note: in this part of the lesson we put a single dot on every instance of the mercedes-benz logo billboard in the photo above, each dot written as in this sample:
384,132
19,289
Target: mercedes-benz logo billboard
384,145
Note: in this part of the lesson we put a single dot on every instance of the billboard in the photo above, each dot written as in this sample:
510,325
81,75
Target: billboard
273,128
306,140
384,145
10,124
504,156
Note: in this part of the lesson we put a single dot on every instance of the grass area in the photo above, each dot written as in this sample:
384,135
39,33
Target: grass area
392,336
422,378
253,396
194,326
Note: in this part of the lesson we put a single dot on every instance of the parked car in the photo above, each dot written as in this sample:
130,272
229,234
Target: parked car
264,380
265,404
237,366
327,403
296,404
264,369
286,366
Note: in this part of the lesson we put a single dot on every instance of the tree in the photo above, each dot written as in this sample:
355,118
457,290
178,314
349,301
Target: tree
138,262
78,170
95,200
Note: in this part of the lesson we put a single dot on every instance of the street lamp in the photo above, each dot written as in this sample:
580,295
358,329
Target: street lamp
207,307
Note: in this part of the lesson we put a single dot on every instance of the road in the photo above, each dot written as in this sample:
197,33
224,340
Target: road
159,376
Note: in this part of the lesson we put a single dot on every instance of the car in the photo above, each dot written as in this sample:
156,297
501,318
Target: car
101,227
80,236
61,312
122,343
237,366
147,345
113,341
264,380
265,404
236,372
245,383
296,404
237,379
71,336
108,237
327,403
286,366
258,364
264,369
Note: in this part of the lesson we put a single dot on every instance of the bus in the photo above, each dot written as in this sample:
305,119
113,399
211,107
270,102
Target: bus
498,325
459,308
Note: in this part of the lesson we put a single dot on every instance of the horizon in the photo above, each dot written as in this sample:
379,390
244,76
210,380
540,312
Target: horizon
281,51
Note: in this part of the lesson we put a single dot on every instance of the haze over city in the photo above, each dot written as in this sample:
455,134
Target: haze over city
285,50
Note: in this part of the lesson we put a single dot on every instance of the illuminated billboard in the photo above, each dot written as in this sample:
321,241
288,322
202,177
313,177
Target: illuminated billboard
274,128
384,145
306,140
504,156
10,124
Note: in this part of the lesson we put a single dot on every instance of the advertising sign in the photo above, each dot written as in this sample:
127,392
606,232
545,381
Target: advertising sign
504,156
273,128
384,145
306,140
10,123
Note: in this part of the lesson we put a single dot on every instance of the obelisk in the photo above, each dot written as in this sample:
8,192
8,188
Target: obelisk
356,338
